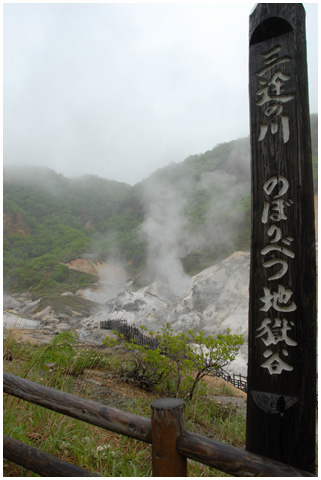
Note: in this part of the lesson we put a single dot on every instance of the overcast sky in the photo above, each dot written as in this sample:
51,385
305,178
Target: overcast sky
120,90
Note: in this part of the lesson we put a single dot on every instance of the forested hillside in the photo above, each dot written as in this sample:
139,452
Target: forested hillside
50,220
184,217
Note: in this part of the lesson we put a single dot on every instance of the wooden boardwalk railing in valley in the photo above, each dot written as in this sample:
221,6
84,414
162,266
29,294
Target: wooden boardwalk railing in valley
131,332
238,381
166,431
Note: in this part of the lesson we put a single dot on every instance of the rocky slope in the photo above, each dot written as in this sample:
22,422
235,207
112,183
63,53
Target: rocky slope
216,299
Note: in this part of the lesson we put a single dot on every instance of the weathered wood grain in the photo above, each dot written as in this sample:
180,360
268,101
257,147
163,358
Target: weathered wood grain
281,414
40,462
168,423
91,412
232,460
171,444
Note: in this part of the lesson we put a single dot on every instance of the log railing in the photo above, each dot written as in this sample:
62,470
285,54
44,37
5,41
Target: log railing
238,381
166,431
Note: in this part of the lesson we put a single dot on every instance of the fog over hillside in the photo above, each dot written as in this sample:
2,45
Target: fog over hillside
183,218
193,213
173,248
171,225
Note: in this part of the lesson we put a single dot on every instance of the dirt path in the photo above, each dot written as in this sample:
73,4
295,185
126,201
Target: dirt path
232,395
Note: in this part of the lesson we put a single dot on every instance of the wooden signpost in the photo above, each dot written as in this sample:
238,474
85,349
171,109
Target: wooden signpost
281,418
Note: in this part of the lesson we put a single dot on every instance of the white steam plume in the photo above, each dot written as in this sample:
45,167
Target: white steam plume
163,229
169,229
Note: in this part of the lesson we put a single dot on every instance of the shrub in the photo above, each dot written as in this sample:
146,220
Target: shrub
179,362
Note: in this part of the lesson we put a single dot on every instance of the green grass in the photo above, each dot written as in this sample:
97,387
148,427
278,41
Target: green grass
65,304
62,365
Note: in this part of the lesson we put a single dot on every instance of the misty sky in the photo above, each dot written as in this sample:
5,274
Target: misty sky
120,90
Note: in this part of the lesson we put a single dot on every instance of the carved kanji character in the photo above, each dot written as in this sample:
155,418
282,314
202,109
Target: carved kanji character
274,363
275,332
278,300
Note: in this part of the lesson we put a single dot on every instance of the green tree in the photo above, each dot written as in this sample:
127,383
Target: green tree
180,361
211,353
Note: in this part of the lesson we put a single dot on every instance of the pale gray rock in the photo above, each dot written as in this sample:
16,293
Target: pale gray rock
215,300
10,303
11,321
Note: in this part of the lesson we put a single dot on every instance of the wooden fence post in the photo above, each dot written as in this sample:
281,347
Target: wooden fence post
168,423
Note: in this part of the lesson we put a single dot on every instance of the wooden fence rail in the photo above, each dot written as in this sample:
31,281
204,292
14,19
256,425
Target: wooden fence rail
91,412
166,431
40,462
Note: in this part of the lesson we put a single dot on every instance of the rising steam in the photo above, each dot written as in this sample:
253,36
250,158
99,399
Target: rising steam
163,229
169,229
